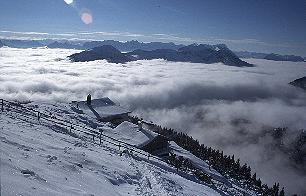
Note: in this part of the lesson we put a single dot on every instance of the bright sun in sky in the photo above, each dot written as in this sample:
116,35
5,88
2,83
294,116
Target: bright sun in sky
68,1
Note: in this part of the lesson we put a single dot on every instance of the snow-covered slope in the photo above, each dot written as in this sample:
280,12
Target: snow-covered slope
39,158
198,162
227,186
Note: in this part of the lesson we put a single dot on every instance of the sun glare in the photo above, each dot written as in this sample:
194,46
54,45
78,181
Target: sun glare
68,1
86,17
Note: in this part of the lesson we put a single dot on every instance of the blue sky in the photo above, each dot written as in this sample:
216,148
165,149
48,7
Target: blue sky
255,25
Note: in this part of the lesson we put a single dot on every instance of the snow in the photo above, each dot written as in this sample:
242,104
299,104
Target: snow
199,163
38,158
223,184
100,108
131,134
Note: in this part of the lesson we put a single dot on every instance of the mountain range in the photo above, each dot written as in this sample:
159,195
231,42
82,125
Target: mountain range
133,45
21,43
66,45
271,56
277,57
194,53
1,44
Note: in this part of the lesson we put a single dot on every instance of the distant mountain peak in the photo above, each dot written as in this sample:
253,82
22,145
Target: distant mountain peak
107,52
300,82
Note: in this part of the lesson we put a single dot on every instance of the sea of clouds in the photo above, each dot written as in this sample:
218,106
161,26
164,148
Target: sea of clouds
225,107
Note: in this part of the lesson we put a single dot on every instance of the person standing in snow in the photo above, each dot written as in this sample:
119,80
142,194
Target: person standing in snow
89,99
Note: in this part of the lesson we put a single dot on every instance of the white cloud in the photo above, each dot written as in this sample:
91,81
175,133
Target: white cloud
25,33
98,35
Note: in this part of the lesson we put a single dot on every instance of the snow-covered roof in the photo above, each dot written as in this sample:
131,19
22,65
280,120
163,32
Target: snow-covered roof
101,108
130,133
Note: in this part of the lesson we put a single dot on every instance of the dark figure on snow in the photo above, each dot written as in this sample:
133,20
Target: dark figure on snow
89,99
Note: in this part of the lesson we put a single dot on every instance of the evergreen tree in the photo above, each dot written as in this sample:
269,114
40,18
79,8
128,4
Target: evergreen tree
258,182
254,177
226,165
282,192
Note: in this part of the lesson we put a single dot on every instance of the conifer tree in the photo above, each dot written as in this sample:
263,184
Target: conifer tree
282,192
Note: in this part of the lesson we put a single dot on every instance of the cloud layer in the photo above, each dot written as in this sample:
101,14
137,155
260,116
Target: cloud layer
225,107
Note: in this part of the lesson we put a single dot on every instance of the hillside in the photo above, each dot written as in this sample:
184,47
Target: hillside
48,156
38,158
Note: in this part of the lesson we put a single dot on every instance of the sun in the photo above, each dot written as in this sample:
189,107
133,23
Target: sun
68,1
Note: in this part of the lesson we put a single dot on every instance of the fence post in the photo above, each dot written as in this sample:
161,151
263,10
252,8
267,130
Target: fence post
38,115
2,105
93,138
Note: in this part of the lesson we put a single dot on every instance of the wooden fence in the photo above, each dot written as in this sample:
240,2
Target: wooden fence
94,134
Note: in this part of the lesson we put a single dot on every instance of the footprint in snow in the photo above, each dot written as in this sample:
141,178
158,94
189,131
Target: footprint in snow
51,158
31,174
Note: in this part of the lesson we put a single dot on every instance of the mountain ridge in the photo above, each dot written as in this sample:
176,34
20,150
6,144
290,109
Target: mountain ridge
132,45
194,53
269,56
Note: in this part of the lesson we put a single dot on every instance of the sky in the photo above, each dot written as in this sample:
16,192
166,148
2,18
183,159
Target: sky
255,25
